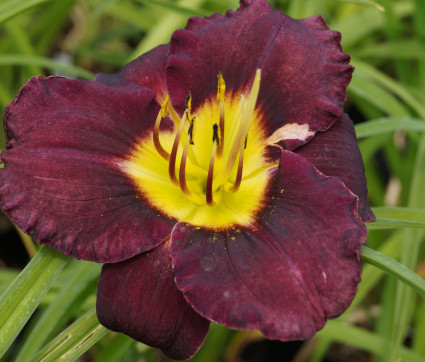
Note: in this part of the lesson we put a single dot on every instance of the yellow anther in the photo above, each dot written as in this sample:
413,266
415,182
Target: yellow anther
221,87
164,106
188,104
191,131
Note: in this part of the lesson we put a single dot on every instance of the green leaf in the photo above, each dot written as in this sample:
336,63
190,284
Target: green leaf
419,327
365,2
73,341
12,8
341,331
16,59
394,268
365,70
412,242
187,11
22,43
24,295
375,94
371,275
400,49
389,124
163,29
116,349
397,217
82,274
362,24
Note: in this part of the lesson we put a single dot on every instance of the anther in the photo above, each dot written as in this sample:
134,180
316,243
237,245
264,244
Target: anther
164,105
188,105
191,130
208,191
215,134
163,113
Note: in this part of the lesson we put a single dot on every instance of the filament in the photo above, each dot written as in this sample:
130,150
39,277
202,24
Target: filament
163,113
173,156
182,171
208,192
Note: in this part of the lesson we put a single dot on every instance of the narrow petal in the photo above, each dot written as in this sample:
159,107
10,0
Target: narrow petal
304,72
299,265
62,182
335,153
139,297
148,70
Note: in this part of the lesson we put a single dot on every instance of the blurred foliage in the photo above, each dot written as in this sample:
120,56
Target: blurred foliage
386,98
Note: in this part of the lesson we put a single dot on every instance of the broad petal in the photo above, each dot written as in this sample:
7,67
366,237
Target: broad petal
335,153
304,72
299,265
139,297
148,70
62,182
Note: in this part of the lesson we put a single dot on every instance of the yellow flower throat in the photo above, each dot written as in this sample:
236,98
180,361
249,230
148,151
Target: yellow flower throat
210,170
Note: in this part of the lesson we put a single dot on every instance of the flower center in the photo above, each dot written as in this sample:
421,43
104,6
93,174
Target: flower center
210,170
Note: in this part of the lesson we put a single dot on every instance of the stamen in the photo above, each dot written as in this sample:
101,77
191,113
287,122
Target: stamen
182,171
215,134
227,170
208,192
174,116
188,105
247,114
238,179
221,88
173,156
191,130
164,105
163,113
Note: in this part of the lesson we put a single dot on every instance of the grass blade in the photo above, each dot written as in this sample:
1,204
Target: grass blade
24,295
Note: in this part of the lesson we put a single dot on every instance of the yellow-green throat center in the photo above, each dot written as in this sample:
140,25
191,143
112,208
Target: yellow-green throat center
210,170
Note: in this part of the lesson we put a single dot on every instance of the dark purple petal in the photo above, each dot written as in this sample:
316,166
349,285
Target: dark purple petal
299,265
139,297
335,153
304,72
62,182
148,70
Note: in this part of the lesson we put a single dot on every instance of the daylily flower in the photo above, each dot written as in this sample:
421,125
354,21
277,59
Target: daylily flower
216,176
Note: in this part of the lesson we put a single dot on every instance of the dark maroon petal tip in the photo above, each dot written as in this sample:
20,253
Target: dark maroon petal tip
298,265
304,71
335,153
148,70
61,181
139,297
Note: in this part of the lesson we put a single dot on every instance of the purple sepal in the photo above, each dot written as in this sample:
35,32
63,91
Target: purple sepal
304,71
62,181
335,153
287,273
139,297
